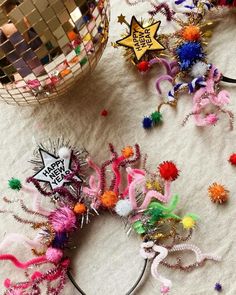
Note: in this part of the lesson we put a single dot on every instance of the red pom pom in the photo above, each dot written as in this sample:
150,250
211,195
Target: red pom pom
168,171
143,66
104,113
232,159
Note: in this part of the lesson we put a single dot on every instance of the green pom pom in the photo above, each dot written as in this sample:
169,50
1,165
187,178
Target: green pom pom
156,117
15,184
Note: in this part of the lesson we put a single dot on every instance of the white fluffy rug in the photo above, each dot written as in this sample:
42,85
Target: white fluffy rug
106,261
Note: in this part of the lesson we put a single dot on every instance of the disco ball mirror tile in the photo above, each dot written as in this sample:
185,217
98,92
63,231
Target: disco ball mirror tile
48,45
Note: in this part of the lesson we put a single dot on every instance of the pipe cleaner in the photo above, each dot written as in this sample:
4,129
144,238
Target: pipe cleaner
79,188
183,56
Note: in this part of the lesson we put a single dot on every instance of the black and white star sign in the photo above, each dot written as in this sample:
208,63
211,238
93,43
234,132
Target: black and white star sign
55,169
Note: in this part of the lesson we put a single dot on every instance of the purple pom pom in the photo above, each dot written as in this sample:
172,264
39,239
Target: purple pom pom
218,287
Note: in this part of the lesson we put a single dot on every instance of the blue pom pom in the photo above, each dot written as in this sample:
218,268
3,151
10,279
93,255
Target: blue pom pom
189,53
60,240
218,287
147,123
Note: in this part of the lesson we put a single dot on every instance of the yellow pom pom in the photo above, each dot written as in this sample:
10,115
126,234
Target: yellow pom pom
188,222
109,199
127,152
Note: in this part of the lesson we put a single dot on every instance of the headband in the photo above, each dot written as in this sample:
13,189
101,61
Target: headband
81,189
183,55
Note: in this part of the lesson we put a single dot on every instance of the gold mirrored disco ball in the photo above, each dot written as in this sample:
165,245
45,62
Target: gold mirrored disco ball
48,45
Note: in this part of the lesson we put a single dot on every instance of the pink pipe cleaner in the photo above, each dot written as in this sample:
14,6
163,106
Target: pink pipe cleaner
23,265
36,199
21,239
207,95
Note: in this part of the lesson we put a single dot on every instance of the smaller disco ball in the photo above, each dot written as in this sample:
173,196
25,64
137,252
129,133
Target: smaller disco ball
48,45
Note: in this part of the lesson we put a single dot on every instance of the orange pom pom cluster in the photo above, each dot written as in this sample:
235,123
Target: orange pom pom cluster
191,33
127,152
168,171
218,193
109,199
80,208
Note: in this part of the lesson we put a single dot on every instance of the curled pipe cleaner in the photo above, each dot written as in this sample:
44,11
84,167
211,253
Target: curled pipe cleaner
23,265
159,8
148,251
200,257
130,179
21,239
36,200
116,171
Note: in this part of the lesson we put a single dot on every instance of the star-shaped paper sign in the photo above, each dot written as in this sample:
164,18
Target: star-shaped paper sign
141,39
55,169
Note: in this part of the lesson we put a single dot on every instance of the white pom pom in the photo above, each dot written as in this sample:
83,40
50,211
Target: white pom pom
199,69
64,152
123,208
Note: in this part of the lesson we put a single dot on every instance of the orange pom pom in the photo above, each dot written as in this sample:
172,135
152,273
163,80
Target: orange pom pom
109,199
191,33
218,193
80,208
127,152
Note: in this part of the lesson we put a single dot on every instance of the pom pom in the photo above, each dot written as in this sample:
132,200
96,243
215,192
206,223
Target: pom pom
191,33
165,290
143,66
212,119
232,159
63,219
188,222
54,255
218,287
147,123
109,199
189,53
156,117
199,69
168,171
64,152
60,240
218,193
15,184
127,152
80,208
104,113
123,208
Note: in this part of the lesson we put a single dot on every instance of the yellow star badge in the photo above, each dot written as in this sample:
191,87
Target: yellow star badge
141,39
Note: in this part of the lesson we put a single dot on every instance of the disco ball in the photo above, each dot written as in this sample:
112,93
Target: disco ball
46,46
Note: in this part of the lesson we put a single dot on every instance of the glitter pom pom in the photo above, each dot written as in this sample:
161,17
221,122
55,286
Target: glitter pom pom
63,219
15,184
218,193
232,159
168,171
109,199
123,208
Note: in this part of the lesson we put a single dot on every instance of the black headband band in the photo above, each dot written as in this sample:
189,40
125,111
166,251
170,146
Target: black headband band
131,290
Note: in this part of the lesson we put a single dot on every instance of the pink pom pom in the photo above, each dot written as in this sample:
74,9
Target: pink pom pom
7,283
212,119
165,290
54,255
63,219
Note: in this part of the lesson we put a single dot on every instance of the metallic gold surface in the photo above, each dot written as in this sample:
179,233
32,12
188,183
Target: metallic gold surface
48,45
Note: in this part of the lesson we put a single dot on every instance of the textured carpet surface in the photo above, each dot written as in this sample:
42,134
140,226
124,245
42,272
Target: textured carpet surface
106,261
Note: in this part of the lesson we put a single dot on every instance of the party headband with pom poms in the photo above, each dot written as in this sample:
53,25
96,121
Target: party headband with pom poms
80,189
183,55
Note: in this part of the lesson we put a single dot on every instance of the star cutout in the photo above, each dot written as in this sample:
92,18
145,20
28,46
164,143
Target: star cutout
55,169
141,39
121,19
